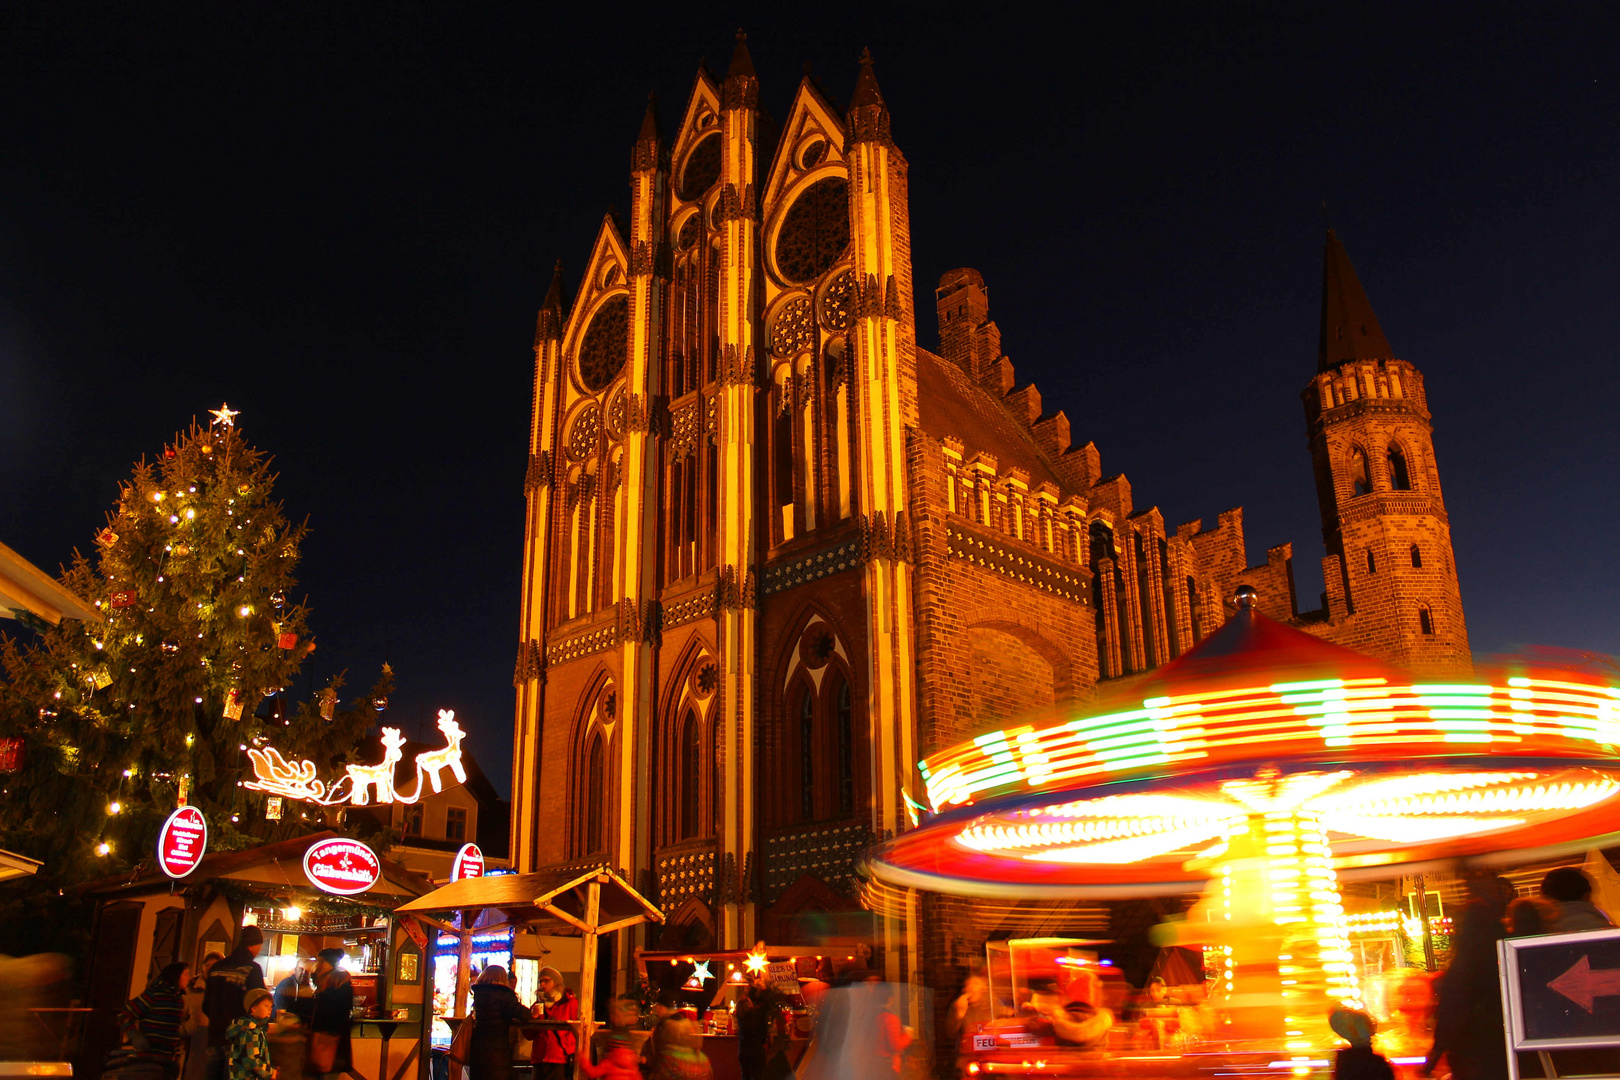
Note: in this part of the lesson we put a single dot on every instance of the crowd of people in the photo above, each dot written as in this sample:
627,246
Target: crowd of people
218,1025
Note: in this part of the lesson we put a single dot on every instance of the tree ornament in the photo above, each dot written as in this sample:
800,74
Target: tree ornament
122,598
225,415
380,703
272,808
328,704
287,640
106,538
233,705
278,599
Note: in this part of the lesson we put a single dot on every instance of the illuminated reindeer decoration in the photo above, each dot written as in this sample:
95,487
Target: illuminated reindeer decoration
297,779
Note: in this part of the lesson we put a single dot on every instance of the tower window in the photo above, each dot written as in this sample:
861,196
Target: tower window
1417,556
1425,620
1360,478
1399,478
846,751
1372,563
690,779
593,798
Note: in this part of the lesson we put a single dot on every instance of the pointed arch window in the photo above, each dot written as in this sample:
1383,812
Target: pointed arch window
1425,620
1360,478
782,462
1195,610
807,756
844,710
1417,557
595,828
691,778
1400,479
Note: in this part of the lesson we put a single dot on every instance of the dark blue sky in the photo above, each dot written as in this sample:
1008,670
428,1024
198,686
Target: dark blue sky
341,221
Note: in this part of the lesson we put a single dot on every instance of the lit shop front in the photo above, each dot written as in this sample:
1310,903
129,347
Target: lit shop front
304,895
1287,783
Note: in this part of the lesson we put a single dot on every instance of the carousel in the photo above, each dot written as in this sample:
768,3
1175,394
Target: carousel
1269,773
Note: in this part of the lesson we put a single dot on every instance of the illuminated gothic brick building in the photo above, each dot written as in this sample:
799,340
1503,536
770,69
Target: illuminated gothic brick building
776,553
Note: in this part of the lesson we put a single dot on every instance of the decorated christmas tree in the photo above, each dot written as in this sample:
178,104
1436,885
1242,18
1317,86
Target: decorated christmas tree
121,722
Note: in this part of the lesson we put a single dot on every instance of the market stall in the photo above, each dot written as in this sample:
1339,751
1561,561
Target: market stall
709,987
1271,778
566,902
305,895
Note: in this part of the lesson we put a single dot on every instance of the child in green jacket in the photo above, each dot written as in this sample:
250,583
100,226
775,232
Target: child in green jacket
247,1039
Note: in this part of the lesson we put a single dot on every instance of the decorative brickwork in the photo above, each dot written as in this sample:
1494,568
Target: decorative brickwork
829,852
686,871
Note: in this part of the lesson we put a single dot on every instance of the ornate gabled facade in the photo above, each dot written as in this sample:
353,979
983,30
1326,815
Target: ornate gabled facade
776,553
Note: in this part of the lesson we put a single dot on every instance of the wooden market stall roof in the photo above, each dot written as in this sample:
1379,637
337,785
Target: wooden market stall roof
555,900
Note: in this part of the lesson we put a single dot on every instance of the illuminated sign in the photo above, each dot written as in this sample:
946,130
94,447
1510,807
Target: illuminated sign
299,780
469,863
344,867
182,841
1326,719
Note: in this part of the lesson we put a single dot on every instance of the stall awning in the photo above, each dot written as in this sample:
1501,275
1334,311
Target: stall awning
551,900
13,865
27,591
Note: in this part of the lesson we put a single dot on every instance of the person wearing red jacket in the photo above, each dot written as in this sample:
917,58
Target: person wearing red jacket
554,1049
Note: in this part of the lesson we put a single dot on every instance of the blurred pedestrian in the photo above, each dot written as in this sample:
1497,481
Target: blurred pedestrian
296,995
247,1039
1468,1018
756,1023
196,1066
677,1052
1571,890
1358,1061
330,1053
156,1020
554,1049
228,983
1529,915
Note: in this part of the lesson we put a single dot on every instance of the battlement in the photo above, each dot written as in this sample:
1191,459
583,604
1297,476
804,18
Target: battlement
1361,382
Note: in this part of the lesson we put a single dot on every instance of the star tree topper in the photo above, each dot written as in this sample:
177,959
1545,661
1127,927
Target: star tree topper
225,415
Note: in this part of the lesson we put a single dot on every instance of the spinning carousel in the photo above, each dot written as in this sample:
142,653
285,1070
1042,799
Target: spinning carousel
1261,770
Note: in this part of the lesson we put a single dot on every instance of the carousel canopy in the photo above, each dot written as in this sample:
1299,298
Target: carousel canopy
1263,719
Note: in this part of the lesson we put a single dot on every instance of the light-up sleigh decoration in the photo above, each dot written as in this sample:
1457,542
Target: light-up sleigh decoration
276,775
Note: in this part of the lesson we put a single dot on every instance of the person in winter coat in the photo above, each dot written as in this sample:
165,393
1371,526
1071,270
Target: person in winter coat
296,995
1468,1019
677,1052
495,1009
196,1066
158,1016
554,1049
1571,890
330,1021
228,984
247,1039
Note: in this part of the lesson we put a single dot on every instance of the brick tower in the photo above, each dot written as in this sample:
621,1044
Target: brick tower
1391,578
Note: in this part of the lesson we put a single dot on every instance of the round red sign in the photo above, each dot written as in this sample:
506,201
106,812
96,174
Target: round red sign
469,863
342,866
182,841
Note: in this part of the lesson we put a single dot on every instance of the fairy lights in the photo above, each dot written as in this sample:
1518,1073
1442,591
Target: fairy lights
1325,718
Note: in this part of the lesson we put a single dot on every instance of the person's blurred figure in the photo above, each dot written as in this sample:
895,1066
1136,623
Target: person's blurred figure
495,1009
330,1053
756,1023
228,983
858,1035
1076,1023
296,995
1468,1020
677,1052
553,1049
1358,1061
247,1040
156,1018
31,982
1530,915
1571,890
971,1010
196,1066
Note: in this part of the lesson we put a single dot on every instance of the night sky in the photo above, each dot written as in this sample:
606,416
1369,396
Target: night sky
341,220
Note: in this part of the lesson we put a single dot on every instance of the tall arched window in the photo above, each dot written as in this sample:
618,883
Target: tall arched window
1417,556
1399,478
691,778
807,756
1360,478
846,749
595,827
782,462
1425,619
1195,610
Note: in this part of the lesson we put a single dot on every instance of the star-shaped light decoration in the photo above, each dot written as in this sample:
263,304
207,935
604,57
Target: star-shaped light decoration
225,415
756,962
702,973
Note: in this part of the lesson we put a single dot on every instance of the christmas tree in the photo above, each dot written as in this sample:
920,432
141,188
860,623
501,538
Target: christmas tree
121,722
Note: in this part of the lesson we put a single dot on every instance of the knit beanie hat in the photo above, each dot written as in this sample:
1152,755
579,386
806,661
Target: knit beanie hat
253,997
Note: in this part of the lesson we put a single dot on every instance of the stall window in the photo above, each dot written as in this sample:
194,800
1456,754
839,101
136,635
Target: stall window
455,823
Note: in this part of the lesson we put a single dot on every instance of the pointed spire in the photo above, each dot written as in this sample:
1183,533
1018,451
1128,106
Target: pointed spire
741,89
868,114
649,141
1350,330
549,326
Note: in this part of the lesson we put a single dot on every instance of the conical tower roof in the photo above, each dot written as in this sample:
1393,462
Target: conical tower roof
553,309
742,64
868,113
1350,330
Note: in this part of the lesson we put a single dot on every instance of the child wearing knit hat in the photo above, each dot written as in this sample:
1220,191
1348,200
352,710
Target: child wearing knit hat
247,1039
